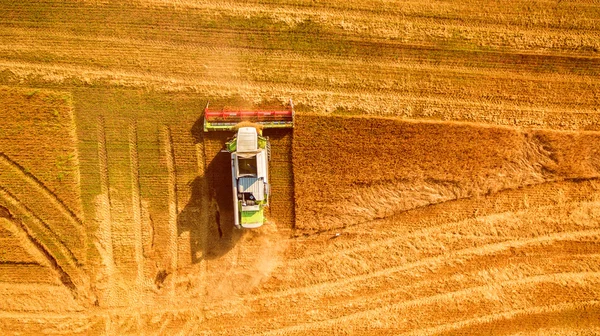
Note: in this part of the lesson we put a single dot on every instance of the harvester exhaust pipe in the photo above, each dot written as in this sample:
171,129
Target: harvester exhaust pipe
226,120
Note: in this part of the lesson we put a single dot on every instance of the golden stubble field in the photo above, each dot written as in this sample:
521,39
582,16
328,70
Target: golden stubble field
442,177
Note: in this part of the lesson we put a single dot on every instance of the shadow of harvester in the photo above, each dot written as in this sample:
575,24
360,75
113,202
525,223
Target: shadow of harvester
208,214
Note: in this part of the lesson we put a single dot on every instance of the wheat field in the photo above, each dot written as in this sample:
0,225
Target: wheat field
442,176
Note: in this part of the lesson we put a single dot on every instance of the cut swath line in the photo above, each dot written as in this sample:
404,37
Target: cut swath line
452,296
350,64
481,250
136,202
18,263
172,225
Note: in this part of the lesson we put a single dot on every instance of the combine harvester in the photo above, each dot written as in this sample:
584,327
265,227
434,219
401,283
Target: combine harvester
250,155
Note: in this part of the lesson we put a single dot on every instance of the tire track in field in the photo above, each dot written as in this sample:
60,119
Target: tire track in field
103,235
557,278
204,215
449,278
483,269
136,202
172,224
429,262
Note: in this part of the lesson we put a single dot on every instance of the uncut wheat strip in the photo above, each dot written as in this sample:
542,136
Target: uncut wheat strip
528,174
435,215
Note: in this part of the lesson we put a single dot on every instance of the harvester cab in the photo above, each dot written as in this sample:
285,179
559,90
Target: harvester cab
250,154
